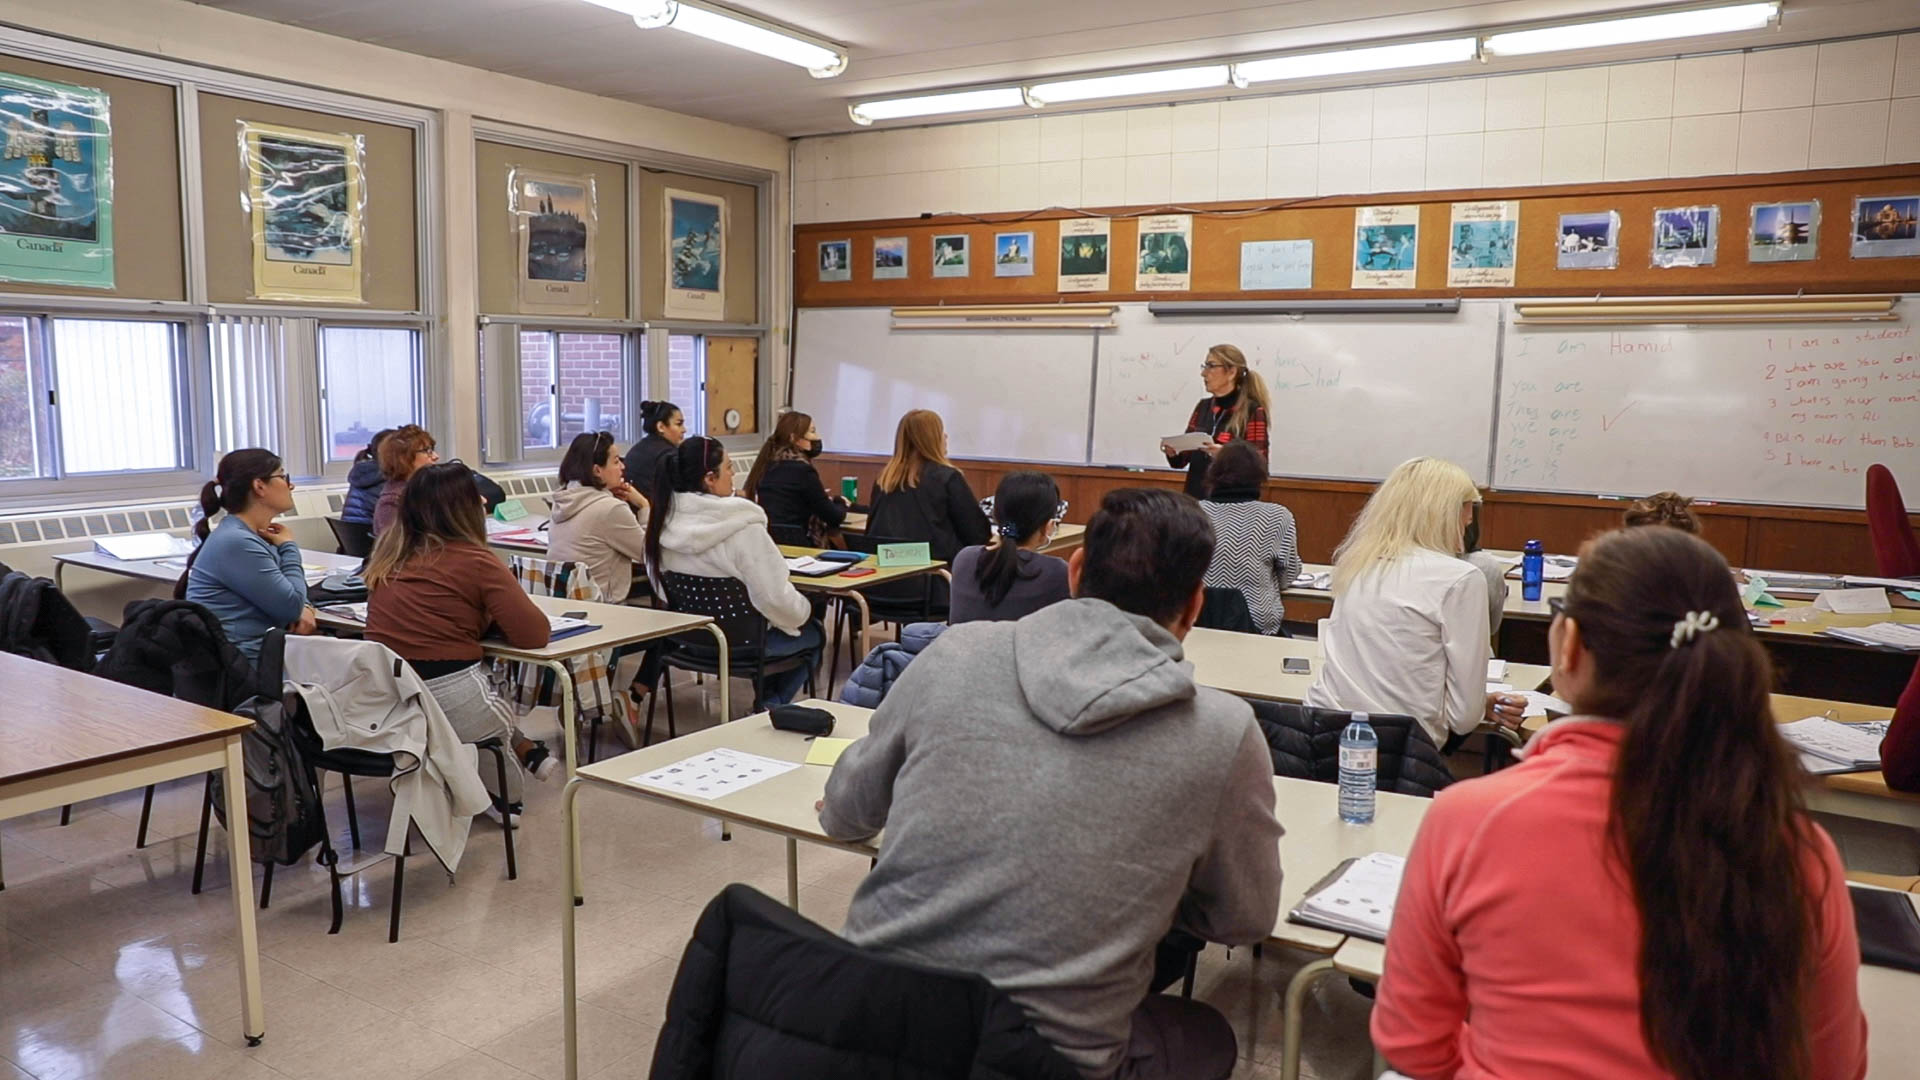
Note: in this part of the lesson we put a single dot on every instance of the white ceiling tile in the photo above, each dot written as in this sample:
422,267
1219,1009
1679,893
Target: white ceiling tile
1293,120
1457,106
1637,149
1196,127
1573,154
1705,145
1640,91
1345,116
1103,181
1399,164
1103,135
1854,71
1149,131
1906,67
1149,179
1060,138
1455,161
1903,131
1243,171
1345,168
1775,141
1400,111
1291,172
1020,141
1059,183
1779,79
1576,96
1243,121
1516,101
1512,158
1195,177
1708,84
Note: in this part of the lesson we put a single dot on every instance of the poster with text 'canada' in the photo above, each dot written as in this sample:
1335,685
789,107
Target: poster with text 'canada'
305,200
56,184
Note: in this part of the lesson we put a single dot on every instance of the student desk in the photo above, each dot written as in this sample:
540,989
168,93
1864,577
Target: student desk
151,570
1250,665
849,589
66,737
1065,540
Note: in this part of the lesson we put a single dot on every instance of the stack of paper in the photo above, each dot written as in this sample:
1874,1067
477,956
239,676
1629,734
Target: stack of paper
350,612
714,774
1308,580
1887,635
1786,581
1829,746
808,566
1357,898
559,626
1853,601
153,545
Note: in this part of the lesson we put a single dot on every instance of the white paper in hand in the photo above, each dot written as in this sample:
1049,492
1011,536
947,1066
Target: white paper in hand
1192,440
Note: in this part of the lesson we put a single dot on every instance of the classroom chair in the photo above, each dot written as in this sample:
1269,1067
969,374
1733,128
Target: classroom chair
1896,551
726,602
899,603
1304,741
1226,609
353,538
531,685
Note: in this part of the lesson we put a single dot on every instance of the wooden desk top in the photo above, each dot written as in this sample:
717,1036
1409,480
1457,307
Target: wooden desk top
619,625
1250,665
842,583
153,570
1317,841
53,720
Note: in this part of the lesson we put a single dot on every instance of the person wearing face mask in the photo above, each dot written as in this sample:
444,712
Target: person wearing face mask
1234,410
1008,578
787,486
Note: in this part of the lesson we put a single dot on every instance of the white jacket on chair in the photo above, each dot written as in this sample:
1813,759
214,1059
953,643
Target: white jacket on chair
363,697
726,536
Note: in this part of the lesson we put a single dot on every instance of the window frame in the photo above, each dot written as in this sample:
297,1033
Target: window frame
500,369
416,382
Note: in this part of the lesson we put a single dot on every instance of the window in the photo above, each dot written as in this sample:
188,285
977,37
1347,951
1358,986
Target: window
686,379
119,394
570,382
20,426
369,380
249,382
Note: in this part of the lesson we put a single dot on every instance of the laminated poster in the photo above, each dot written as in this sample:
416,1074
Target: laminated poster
1589,241
889,257
1482,242
836,260
56,184
1084,254
1013,254
1686,236
556,221
1166,253
1386,243
950,255
305,199
1783,232
696,256
1886,226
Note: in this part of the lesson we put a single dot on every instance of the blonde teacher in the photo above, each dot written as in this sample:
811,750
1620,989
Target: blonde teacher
1234,410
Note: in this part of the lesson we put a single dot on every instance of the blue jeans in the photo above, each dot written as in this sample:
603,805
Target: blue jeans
784,687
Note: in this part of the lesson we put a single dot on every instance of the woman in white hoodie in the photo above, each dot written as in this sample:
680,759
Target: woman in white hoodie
596,515
699,526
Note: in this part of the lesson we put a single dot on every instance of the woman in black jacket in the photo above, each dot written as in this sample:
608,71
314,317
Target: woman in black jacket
921,496
787,486
661,427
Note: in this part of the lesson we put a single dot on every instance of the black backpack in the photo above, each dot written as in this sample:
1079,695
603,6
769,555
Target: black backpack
285,819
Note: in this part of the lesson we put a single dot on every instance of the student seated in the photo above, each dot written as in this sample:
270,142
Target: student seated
921,496
434,589
787,486
1665,508
1009,578
1256,550
596,515
247,569
402,452
699,526
1057,792
1644,894
364,482
662,427
1408,633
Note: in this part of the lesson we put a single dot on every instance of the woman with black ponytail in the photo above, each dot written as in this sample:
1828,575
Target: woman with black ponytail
1007,578
699,526
1644,894
247,569
661,429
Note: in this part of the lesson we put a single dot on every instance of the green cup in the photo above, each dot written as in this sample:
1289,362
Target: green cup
850,488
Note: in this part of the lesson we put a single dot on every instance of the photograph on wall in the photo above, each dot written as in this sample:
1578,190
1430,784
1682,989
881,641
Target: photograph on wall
305,199
889,257
1886,226
555,217
1083,254
1013,254
1386,242
950,255
56,184
1686,236
1783,232
836,260
1166,253
696,255
1482,244
1589,241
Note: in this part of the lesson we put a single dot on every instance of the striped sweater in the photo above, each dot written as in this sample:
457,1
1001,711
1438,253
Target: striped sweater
1254,552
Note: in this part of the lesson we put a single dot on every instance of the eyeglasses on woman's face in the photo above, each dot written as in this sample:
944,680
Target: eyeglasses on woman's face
1214,365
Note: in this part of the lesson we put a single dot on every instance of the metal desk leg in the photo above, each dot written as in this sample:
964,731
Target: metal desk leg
569,720
1296,997
725,678
253,1013
866,625
59,576
570,863
793,873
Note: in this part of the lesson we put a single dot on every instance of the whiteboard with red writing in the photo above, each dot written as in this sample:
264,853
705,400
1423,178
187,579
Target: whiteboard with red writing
1779,413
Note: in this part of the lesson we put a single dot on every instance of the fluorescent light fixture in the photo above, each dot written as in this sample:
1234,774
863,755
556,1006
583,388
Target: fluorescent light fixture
1135,84
1671,24
1004,97
822,59
1347,61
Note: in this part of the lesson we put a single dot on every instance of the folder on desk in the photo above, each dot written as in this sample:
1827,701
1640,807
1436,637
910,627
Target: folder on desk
1356,898
1829,746
1888,927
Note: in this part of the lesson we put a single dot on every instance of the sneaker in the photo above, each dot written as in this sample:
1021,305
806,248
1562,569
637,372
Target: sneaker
507,821
540,762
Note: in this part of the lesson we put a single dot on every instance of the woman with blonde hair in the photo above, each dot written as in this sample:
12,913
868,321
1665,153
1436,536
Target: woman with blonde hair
1235,409
1408,633
921,496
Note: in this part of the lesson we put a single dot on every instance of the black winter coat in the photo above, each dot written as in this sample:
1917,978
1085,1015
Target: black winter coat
179,649
1305,743
643,459
940,510
37,621
791,493
762,992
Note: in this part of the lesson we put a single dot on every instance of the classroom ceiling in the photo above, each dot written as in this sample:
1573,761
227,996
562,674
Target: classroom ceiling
908,46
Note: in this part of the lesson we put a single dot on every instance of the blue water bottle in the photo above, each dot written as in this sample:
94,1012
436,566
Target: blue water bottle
1532,570
1359,770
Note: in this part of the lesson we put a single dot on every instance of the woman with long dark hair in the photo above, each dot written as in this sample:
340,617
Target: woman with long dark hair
700,527
247,569
787,486
364,482
596,515
662,427
1644,894
1008,578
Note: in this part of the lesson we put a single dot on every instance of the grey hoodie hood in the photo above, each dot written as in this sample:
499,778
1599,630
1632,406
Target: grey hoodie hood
699,522
574,499
1085,666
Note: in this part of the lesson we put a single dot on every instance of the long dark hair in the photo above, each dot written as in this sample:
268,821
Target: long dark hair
788,432
441,506
231,490
589,448
1706,813
684,469
1022,505
653,414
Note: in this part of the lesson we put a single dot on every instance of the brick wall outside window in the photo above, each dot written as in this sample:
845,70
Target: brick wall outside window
592,373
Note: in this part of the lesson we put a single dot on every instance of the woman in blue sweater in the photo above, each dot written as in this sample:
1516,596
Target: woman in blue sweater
247,570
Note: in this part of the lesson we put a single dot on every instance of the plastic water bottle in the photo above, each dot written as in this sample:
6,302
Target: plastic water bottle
1532,570
1359,770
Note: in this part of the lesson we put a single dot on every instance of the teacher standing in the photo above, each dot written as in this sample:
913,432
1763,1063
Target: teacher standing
1235,409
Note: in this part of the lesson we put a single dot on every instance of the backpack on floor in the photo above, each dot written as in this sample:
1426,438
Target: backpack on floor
284,817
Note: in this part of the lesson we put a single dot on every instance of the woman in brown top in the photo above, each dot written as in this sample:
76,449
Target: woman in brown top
434,590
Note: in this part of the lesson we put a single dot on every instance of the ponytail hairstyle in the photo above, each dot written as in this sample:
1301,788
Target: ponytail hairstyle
1706,813
1252,388
783,445
653,414
231,490
441,507
372,449
588,449
1023,504
683,470
1665,508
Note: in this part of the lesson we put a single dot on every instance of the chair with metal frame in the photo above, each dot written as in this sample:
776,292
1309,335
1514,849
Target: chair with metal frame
353,538
724,600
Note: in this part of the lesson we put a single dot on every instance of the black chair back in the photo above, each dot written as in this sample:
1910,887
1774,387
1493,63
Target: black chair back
726,602
922,599
354,538
795,535
1226,609
1304,741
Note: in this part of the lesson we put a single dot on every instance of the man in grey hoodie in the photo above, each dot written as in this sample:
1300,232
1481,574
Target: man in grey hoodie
1057,793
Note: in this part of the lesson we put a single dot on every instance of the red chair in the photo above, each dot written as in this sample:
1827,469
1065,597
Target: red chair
1900,750
1895,549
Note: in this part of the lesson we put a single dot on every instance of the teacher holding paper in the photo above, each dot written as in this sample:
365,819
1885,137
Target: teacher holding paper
1235,408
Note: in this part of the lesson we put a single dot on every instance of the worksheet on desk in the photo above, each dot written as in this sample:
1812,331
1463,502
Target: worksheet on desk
714,774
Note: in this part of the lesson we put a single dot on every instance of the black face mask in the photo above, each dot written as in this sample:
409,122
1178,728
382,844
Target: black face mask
812,449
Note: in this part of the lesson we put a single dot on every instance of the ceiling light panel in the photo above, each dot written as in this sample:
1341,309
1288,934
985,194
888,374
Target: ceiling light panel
1135,84
1004,97
1348,61
1602,33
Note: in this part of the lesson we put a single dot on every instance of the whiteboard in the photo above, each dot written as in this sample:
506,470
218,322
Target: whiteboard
1353,395
1788,413
1018,395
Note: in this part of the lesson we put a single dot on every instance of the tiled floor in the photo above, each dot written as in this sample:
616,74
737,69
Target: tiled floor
110,967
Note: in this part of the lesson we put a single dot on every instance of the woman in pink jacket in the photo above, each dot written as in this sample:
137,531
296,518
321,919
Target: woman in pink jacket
1644,894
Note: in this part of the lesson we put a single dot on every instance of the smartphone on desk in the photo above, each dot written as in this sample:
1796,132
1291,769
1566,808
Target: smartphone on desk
1296,665
858,571
573,614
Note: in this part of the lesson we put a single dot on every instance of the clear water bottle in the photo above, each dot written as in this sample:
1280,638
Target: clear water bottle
1533,569
1359,770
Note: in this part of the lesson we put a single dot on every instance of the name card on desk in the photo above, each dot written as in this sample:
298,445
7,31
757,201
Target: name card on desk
905,555
510,510
1854,601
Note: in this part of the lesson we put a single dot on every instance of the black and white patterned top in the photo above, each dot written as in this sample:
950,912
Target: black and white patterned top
1254,551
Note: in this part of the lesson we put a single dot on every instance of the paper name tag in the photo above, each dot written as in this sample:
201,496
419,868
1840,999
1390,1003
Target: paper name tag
905,555
510,510
826,751
1853,601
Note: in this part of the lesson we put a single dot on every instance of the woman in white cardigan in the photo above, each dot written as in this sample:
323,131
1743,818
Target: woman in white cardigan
699,526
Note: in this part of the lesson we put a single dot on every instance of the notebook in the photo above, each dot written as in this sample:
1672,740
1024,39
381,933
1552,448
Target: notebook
1357,898
1886,635
1888,927
809,566
1829,746
1322,580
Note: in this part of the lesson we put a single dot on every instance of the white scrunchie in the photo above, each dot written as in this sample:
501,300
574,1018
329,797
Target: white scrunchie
1696,623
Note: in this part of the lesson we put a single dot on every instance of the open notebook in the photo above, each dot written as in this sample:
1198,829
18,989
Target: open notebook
1357,898
558,626
1829,746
